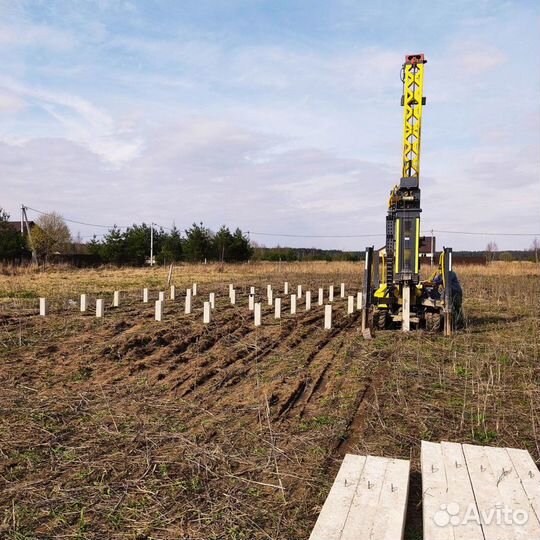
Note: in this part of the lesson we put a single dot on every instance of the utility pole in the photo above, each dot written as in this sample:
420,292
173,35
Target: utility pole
24,219
152,244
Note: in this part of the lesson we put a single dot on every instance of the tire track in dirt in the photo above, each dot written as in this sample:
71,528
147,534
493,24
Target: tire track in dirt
364,401
235,334
140,348
227,385
356,423
292,399
300,328
318,386
232,368
292,340
182,343
361,409
298,397
168,345
265,345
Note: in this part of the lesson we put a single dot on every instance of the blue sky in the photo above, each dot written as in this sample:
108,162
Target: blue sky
274,116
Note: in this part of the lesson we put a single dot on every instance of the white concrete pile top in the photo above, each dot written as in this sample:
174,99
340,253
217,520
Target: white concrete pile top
479,493
366,502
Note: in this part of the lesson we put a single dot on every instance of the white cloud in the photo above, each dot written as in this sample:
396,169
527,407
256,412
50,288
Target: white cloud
26,34
477,58
11,103
295,135
195,168
186,182
82,122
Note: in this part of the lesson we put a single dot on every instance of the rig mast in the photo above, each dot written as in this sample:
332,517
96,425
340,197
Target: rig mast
403,219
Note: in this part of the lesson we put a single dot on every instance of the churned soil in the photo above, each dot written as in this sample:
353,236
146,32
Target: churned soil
124,427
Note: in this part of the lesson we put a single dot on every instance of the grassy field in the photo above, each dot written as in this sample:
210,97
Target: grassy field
128,428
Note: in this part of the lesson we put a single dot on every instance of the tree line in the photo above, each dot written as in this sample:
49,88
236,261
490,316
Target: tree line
288,254
49,235
196,244
12,243
51,240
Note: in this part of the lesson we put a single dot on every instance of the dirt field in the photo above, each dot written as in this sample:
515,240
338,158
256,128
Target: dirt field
124,427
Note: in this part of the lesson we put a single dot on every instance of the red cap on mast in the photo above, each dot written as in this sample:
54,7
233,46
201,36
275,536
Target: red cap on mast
415,59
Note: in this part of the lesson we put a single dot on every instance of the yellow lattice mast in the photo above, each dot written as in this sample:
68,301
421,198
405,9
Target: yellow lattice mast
413,83
403,220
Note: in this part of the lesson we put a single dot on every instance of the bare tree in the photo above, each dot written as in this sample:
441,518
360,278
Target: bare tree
491,250
535,246
51,235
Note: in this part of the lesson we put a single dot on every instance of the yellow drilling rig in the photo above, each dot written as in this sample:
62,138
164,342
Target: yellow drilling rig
393,293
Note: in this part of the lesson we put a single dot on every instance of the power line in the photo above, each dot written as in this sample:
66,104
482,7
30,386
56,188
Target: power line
79,222
379,235
163,227
486,233
314,235
291,235
92,224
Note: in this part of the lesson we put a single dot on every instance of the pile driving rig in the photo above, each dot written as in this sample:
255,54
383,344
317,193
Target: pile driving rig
393,294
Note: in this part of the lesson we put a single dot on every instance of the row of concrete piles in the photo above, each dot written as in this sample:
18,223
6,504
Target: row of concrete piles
210,305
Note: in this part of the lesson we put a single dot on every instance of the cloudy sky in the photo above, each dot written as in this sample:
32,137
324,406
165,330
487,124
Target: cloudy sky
275,116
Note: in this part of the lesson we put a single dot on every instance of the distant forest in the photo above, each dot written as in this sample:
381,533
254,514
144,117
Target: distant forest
314,254
52,242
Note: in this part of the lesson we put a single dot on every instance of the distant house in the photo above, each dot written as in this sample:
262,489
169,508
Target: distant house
17,226
428,249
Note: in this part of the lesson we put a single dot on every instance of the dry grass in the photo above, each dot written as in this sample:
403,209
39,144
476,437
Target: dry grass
32,282
500,269
127,428
24,282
